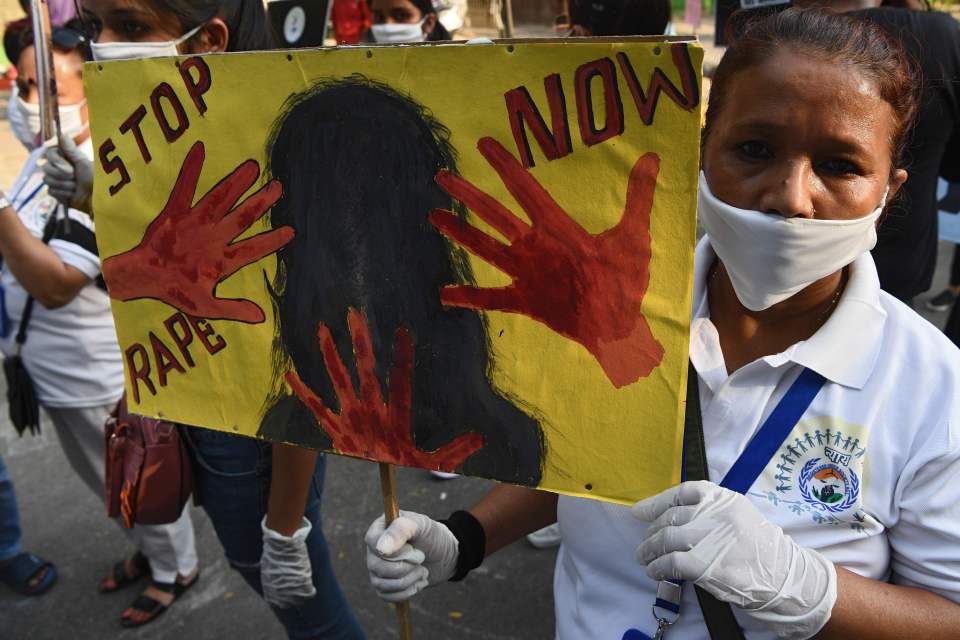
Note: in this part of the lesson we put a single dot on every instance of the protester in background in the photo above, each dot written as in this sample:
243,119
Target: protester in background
263,499
71,350
619,18
351,19
23,572
906,252
405,21
803,149
15,34
61,12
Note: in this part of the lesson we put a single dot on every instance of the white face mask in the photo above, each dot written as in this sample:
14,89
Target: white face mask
71,119
25,121
399,33
27,125
770,258
138,50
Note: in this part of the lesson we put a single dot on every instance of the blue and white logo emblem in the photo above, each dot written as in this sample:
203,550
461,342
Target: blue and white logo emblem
828,486
818,473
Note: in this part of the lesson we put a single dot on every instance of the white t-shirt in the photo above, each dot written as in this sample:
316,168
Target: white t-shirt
884,433
71,352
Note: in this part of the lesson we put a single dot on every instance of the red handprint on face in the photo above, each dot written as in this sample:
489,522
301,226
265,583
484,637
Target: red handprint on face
583,286
366,426
188,249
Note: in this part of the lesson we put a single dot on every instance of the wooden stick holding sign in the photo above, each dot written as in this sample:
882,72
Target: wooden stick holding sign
508,19
391,511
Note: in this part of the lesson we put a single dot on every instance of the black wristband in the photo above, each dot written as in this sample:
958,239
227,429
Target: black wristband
472,542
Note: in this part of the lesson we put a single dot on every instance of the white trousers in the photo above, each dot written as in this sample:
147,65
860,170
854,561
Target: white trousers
171,548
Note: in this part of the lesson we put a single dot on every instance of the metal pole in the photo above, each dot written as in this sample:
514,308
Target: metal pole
46,80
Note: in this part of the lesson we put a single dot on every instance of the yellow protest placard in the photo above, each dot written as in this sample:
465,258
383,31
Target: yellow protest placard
470,258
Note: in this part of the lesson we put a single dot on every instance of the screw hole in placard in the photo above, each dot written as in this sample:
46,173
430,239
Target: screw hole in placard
99,67
656,51
509,48
589,487
369,53
290,57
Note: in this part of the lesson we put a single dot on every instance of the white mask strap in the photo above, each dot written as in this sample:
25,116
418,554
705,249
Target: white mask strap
189,34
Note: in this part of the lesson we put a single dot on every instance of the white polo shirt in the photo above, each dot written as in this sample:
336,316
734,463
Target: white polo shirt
869,477
71,352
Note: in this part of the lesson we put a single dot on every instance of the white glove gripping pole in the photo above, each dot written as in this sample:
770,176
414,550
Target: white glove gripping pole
412,553
68,175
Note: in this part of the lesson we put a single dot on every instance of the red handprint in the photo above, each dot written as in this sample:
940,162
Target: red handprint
366,426
585,287
188,249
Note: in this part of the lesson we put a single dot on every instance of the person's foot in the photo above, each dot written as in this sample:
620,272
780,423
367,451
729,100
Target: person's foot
28,574
545,538
942,301
126,573
443,475
156,599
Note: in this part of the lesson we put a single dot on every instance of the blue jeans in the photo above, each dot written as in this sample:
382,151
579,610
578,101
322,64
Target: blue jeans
233,477
9,517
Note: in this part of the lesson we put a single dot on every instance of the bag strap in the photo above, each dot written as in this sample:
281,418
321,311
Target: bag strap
48,231
717,615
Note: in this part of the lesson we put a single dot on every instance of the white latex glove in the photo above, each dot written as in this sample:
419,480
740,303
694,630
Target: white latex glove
285,572
715,537
413,553
68,174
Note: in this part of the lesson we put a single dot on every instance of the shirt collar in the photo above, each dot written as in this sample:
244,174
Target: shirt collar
845,349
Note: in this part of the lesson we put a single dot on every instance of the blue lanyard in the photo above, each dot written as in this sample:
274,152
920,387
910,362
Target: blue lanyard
19,205
745,472
774,431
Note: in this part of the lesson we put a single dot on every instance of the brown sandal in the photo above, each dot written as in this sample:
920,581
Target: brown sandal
121,578
154,608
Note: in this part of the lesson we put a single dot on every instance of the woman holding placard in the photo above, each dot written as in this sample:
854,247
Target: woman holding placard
808,374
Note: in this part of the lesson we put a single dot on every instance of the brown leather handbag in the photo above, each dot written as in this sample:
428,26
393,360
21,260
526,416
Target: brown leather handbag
149,475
